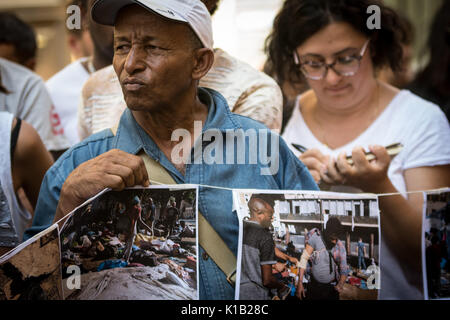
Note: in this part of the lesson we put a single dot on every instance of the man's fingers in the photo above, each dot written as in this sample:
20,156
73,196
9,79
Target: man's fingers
126,173
114,182
135,163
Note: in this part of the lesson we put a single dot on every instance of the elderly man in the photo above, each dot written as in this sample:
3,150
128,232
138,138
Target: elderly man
161,51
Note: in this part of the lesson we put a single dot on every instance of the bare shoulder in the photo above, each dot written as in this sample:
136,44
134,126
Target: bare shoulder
29,143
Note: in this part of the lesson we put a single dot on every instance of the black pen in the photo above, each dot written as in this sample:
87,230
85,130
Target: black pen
299,147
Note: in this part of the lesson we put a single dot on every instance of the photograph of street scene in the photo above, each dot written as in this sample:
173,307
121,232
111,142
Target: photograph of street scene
32,271
138,244
328,241
436,245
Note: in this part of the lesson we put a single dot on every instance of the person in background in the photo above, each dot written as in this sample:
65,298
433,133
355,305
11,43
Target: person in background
17,41
433,82
26,97
65,86
248,92
348,111
404,75
79,40
361,253
23,163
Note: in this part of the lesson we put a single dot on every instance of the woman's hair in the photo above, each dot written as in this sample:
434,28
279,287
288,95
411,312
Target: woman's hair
298,20
436,74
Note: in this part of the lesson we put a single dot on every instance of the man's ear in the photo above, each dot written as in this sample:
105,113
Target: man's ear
204,59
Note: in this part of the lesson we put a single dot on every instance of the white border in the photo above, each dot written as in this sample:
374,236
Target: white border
317,195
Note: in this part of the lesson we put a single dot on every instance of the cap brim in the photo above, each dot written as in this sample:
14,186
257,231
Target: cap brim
105,11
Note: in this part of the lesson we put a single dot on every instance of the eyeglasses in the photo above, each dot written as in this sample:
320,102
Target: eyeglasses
315,68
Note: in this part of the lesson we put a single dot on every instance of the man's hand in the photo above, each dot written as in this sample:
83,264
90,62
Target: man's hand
368,176
315,161
114,169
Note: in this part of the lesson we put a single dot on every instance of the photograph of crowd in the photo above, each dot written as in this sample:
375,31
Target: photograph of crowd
436,245
307,245
32,271
138,243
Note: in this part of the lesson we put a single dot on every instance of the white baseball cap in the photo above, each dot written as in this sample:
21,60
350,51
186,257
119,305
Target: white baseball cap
192,12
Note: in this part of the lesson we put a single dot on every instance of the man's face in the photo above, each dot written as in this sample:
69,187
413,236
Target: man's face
153,59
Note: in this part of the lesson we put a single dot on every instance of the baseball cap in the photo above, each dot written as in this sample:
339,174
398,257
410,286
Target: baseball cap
192,12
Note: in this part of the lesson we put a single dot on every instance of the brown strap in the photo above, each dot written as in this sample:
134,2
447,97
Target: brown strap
209,239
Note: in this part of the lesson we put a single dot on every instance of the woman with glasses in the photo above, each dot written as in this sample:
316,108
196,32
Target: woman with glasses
348,111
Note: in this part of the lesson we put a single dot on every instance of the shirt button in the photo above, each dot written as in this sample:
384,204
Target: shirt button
205,256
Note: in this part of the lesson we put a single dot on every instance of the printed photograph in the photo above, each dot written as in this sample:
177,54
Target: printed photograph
436,245
307,245
32,271
136,244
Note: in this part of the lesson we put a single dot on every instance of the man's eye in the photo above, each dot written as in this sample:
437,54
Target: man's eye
121,47
152,47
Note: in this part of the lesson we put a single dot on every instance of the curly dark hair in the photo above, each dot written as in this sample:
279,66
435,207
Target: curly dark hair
298,20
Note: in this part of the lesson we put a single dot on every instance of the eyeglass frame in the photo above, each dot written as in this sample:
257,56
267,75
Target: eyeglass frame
331,65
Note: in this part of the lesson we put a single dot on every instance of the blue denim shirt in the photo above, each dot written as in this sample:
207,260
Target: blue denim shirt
215,204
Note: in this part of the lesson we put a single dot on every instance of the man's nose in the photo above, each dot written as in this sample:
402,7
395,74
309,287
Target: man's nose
134,62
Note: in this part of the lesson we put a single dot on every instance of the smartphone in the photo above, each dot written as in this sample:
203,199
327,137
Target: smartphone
392,150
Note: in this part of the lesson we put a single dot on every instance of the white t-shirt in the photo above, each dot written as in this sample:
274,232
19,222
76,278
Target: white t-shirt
423,130
65,90
29,100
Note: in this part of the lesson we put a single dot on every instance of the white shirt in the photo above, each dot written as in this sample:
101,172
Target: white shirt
65,90
29,100
423,130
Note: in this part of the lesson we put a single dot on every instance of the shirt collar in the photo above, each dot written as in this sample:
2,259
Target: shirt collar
131,138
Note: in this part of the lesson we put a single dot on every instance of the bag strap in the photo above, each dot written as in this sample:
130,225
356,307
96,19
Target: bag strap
209,239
